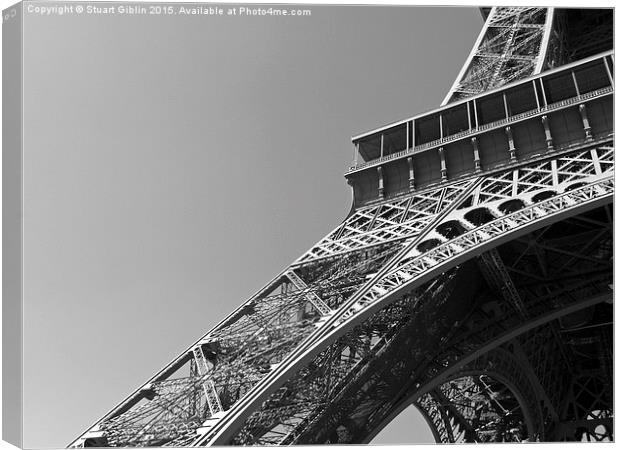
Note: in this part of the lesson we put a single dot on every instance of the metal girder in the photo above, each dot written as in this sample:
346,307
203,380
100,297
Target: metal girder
307,352
422,265
512,45
281,329
377,371
533,324
387,222
312,297
413,299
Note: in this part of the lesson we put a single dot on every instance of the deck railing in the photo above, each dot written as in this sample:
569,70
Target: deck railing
536,87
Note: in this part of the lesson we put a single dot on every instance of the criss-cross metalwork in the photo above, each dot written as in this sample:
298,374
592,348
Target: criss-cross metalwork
512,45
472,279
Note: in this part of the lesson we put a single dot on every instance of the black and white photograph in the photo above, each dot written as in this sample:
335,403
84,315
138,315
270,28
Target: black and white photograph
306,224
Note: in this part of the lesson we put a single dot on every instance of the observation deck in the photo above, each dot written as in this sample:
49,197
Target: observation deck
552,112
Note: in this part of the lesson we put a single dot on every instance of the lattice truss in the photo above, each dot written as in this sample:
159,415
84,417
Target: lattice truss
352,308
512,46
386,222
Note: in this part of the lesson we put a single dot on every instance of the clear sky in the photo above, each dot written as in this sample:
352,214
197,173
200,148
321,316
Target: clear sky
175,164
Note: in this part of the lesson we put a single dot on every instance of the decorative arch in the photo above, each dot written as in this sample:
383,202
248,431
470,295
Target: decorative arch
479,216
451,229
512,206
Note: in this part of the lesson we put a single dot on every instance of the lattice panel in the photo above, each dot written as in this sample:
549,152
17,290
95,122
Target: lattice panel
392,307
327,294
390,221
512,46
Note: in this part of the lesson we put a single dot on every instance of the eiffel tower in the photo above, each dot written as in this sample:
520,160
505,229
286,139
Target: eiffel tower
472,277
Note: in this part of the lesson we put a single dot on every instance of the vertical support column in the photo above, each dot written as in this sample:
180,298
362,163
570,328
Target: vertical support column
511,145
413,134
469,115
548,137
201,361
440,126
381,145
194,400
475,113
356,151
407,136
213,400
609,75
444,170
381,187
542,91
585,121
477,165
505,105
572,73
411,174
536,94
555,178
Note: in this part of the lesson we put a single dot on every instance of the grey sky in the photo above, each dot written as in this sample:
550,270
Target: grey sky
173,165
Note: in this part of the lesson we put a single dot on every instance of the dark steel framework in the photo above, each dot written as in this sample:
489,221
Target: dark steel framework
472,279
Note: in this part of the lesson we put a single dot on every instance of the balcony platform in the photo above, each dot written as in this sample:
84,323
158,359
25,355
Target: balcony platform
553,111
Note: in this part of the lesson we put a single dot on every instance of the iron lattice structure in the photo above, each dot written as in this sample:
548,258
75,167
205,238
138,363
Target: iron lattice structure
472,278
